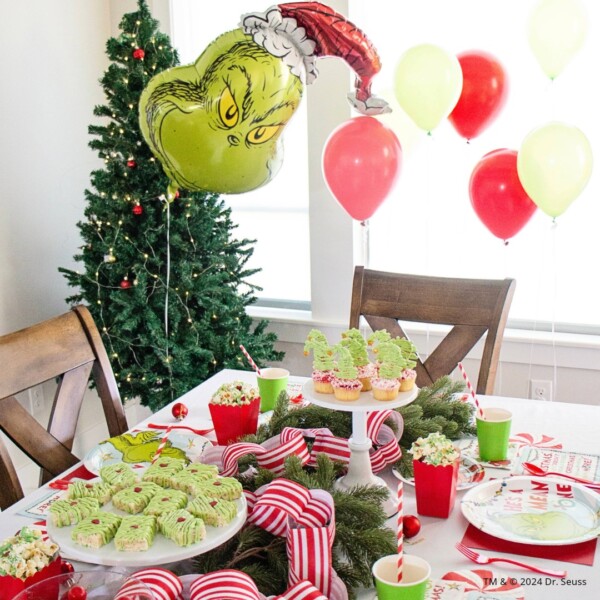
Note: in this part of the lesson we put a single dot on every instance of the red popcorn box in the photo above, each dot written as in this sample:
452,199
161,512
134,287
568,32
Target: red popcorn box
11,586
231,422
435,487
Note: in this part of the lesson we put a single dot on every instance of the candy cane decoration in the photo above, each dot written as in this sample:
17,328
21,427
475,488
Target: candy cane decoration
471,390
162,444
400,530
252,363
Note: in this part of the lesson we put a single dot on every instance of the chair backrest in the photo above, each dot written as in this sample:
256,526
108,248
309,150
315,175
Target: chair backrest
67,348
472,307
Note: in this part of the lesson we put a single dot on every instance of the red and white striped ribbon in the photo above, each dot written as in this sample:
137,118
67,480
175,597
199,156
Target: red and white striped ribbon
307,518
235,585
272,453
314,541
227,583
164,584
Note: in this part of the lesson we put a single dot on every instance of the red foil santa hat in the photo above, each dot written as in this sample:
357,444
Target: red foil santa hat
300,32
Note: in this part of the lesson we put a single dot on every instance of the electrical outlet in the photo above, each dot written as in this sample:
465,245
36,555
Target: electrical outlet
36,400
540,389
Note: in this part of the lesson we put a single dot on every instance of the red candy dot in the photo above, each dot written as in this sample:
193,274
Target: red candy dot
96,521
137,489
181,519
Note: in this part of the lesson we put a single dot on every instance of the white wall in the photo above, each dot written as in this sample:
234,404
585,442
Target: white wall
53,54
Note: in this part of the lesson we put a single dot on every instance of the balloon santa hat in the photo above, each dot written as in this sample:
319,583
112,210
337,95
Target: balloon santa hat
216,125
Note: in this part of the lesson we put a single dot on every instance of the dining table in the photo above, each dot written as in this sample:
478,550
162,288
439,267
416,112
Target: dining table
570,426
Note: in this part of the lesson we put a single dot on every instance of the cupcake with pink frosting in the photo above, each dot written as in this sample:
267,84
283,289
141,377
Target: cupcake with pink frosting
357,345
386,385
323,361
346,384
409,352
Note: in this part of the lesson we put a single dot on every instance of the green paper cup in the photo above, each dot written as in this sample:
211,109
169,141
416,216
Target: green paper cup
415,574
493,432
271,382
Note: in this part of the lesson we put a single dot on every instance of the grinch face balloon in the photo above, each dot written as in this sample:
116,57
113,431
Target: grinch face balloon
216,125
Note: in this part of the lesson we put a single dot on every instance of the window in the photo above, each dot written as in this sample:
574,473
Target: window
427,224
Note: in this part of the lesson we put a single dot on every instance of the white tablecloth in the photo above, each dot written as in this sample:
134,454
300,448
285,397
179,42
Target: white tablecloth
576,426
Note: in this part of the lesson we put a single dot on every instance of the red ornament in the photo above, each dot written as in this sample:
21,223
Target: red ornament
77,592
66,567
125,284
139,54
131,163
411,526
137,209
179,411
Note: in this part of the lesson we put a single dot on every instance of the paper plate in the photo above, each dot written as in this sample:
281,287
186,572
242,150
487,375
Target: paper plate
470,474
139,447
534,510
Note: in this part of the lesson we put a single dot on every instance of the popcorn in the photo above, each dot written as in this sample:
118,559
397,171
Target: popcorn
25,554
236,393
436,449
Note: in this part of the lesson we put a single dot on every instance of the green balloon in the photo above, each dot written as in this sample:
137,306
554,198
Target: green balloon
556,32
216,125
428,83
554,165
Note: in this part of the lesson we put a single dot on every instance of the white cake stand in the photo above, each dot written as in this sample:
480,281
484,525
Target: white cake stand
360,472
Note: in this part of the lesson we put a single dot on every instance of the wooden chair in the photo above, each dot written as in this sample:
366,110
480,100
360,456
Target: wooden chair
70,349
473,307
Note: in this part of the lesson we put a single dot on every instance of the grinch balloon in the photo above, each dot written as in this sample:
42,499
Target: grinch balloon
216,125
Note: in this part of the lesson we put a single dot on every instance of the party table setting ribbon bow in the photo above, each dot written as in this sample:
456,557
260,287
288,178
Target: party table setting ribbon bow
272,453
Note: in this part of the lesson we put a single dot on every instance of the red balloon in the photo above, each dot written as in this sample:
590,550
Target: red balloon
484,93
361,162
497,195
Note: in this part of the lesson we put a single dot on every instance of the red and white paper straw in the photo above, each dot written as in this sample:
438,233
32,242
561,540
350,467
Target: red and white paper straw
252,363
400,530
471,390
162,444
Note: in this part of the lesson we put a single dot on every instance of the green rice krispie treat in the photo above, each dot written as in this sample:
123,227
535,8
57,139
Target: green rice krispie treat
166,501
225,488
135,499
163,469
96,530
86,489
182,527
136,533
214,512
119,475
68,512
193,473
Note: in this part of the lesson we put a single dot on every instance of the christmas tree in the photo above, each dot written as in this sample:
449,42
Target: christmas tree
165,279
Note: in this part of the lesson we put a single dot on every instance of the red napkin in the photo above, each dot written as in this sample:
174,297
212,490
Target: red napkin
581,554
79,472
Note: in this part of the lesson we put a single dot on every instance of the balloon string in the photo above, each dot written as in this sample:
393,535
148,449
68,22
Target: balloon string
553,230
365,243
168,277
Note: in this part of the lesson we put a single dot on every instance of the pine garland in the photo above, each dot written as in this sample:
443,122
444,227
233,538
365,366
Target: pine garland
361,535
